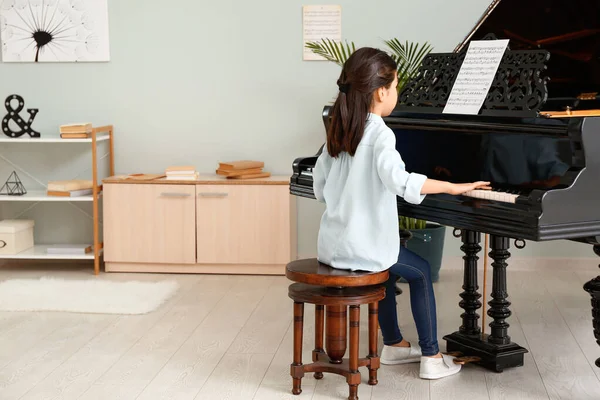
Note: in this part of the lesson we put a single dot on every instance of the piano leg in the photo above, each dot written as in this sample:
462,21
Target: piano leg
593,288
496,351
470,297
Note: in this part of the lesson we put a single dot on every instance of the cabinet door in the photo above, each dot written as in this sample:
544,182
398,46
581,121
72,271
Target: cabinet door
150,223
243,224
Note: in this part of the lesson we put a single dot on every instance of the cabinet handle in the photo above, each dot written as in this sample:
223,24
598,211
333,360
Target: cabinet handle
213,194
168,194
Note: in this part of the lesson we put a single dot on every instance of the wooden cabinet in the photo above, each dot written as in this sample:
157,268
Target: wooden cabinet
207,226
150,223
242,224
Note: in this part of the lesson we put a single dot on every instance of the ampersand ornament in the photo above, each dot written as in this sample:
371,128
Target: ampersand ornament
13,114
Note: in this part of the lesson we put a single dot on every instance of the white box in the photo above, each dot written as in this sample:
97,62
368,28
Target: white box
16,235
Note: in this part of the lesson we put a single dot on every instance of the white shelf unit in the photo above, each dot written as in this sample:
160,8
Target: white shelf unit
55,139
39,251
41,195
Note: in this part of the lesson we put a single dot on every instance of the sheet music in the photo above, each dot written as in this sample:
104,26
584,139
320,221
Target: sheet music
475,76
318,23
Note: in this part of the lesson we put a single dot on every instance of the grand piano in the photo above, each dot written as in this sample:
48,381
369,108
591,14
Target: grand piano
536,139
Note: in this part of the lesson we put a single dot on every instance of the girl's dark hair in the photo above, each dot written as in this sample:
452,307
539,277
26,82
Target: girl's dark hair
366,70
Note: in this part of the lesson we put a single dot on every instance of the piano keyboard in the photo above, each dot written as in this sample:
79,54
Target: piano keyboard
492,195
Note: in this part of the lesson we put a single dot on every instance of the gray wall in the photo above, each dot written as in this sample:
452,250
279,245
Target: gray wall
199,82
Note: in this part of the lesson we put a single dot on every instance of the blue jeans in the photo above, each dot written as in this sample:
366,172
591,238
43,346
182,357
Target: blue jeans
417,273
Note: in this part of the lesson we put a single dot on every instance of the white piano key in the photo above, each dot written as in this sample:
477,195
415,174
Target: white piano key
492,195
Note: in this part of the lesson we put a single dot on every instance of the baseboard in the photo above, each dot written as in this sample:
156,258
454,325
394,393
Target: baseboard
529,263
225,269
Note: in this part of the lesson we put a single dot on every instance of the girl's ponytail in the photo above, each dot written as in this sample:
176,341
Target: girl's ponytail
366,70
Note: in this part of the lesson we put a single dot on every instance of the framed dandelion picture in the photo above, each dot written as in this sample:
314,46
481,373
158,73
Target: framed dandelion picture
54,30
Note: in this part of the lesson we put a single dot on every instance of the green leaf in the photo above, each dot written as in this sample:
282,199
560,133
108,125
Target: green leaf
331,50
409,57
406,223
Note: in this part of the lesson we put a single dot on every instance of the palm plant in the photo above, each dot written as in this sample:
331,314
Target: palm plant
331,50
408,224
408,57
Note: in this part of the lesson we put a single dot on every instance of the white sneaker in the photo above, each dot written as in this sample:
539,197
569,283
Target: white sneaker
393,355
436,368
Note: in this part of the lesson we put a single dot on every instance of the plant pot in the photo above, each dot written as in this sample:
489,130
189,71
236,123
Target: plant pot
429,244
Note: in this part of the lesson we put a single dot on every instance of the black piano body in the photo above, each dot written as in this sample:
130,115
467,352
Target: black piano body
536,139
547,163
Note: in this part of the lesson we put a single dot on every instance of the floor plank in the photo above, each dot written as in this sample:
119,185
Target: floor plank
574,306
184,375
73,332
265,329
564,369
139,365
230,337
75,375
237,377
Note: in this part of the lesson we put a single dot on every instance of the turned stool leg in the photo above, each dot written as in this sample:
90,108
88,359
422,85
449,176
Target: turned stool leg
373,331
319,325
354,376
297,370
336,333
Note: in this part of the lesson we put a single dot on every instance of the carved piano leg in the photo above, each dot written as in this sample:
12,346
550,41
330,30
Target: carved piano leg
499,304
496,351
470,297
593,288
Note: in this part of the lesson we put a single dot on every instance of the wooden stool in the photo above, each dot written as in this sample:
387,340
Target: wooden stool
335,289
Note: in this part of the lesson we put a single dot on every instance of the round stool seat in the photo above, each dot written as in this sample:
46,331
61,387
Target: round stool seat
313,272
329,296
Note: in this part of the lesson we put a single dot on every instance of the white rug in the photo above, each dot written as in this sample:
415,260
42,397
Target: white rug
84,296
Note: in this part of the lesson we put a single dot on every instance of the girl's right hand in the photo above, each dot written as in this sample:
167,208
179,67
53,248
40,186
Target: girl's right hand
460,188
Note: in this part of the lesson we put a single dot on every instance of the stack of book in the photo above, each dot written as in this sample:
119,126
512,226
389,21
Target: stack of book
244,169
186,173
76,131
70,188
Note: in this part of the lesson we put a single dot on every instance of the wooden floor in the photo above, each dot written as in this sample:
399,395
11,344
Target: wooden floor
230,337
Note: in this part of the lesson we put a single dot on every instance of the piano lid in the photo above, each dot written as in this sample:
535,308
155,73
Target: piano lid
568,29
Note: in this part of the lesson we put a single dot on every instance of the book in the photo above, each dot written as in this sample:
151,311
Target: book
237,172
181,173
74,249
70,193
76,128
243,164
251,176
187,168
75,135
189,177
144,177
139,177
69,185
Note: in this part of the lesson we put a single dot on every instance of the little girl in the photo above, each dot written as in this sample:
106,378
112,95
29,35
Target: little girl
358,176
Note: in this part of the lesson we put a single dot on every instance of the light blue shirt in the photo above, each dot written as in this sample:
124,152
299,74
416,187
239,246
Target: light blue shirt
359,229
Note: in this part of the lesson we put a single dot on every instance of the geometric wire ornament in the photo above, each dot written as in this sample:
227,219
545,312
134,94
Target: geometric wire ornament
13,187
